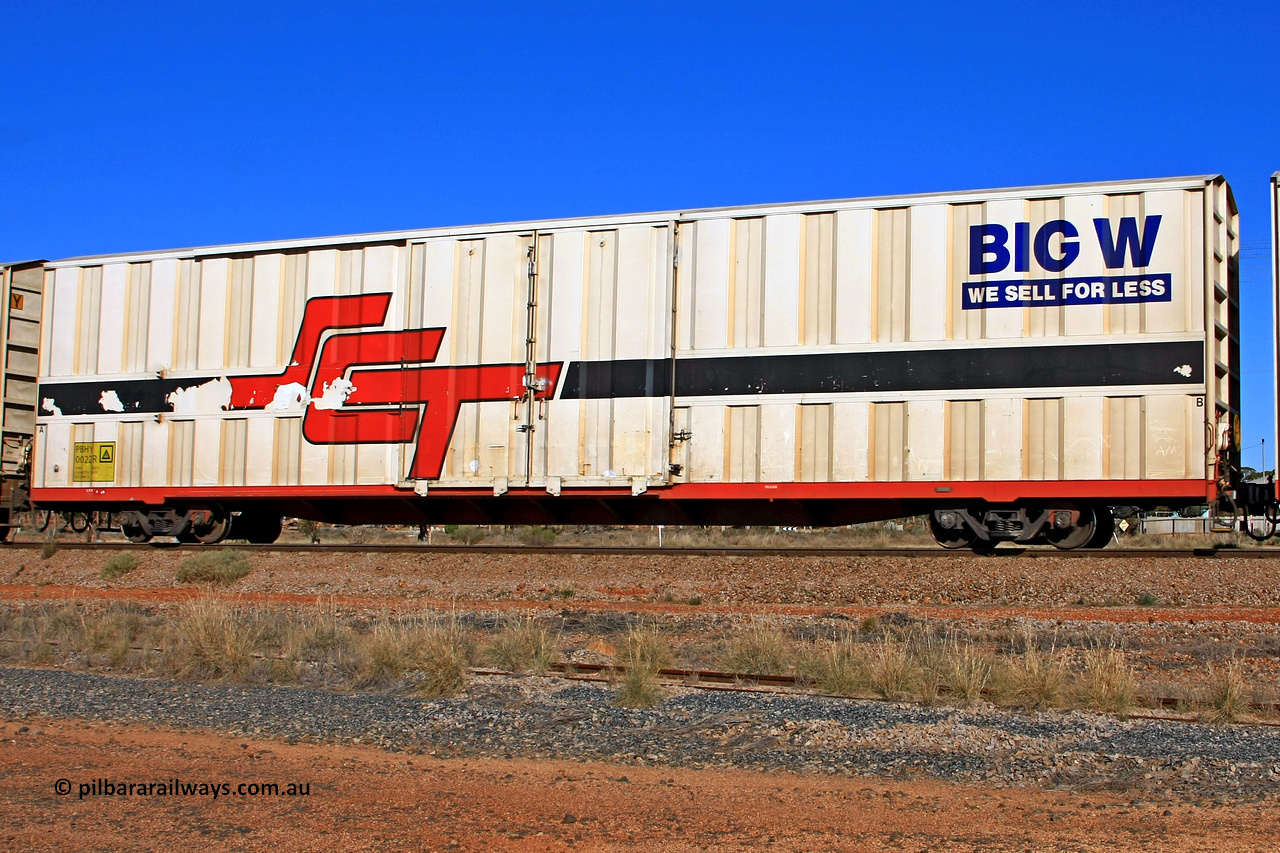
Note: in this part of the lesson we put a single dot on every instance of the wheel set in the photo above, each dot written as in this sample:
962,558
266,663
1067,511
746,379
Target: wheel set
1064,526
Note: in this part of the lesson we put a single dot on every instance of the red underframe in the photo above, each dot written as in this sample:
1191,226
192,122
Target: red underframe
994,491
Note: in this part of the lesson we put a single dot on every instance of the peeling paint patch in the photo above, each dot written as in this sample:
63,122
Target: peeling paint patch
110,401
209,398
49,406
334,395
292,397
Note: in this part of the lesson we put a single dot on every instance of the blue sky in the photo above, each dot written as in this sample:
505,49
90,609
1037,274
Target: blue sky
129,126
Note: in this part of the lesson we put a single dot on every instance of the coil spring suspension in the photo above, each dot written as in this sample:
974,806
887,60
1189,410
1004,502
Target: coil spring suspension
1004,525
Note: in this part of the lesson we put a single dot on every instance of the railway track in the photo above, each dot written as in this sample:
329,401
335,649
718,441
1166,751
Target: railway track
652,551
755,682
747,682
740,682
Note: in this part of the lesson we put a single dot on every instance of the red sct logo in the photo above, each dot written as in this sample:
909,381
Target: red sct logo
391,396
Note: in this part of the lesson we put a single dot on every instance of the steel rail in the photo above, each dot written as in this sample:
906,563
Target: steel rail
752,682
653,551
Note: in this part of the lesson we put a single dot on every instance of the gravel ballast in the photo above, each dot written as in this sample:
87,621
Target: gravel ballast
547,717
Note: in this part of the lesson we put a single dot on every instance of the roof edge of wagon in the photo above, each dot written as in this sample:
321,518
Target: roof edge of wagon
406,235
31,262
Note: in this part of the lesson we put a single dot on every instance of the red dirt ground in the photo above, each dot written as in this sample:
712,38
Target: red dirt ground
145,595
1108,590
365,799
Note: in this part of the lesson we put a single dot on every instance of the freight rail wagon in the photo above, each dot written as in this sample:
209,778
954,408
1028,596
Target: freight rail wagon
1009,362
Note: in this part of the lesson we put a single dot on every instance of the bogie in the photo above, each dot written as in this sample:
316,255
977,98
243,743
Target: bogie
1066,526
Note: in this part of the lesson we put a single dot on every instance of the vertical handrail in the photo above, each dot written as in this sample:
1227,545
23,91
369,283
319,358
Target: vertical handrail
530,359
673,271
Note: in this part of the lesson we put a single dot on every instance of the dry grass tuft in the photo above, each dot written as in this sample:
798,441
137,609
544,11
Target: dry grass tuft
933,663
638,688
312,636
968,673
759,650
43,634
59,633
382,654
895,672
429,655
1107,683
1228,695
523,646
357,535
647,648
467,534
113,634
439,652
215,640
538,536
922,666
119,565
841,668
213,567
644,651
1032,680
317,648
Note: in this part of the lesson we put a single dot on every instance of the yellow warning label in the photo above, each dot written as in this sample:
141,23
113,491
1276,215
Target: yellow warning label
94,462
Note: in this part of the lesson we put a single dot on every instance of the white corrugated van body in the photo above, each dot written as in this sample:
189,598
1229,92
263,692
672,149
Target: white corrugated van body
841,359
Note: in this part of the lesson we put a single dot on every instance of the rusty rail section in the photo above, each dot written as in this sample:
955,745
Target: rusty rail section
753,682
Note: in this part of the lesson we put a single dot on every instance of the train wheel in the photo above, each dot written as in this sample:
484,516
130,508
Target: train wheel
951,538
42,519
257,529
78,521
215,531
1081,534
267,530
134,532
1105,528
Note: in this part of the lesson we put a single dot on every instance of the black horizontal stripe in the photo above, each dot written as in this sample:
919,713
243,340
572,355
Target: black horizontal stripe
627,377
961,369
138,396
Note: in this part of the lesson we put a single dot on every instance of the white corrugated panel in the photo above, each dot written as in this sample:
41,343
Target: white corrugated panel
901,278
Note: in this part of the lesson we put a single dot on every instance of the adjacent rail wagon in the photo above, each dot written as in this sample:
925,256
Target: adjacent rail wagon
1011,363
1275,307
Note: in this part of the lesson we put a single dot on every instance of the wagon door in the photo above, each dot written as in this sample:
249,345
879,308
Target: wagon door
604,300
470,401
